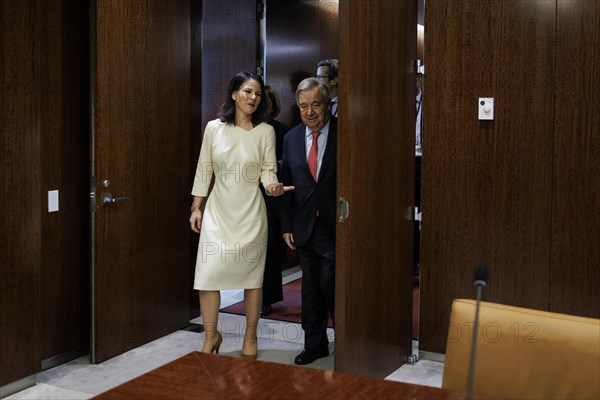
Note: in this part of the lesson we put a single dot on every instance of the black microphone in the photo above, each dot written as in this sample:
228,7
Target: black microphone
480,282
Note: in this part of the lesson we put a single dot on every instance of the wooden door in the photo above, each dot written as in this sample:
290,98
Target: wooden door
140,123
376,159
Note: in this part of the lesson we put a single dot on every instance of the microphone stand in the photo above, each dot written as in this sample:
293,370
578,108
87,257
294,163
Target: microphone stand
480,282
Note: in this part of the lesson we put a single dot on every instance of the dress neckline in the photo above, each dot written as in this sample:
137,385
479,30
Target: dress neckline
247,131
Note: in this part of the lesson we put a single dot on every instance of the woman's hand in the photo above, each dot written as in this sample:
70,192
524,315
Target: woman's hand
196,220
277,189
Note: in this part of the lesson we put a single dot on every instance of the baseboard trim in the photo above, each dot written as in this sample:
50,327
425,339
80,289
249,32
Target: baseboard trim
64,358
428,355
17,386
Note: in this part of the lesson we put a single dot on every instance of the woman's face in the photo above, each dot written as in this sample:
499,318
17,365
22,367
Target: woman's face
247,97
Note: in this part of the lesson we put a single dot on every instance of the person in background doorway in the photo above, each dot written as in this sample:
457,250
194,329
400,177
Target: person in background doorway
308,215
238,149
418,153
419,98
276,248
327,72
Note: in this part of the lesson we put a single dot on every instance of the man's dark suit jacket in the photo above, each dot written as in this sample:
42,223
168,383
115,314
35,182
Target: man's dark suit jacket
300,205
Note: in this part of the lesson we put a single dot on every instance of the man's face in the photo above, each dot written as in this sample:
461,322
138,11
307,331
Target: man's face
322,75
313,110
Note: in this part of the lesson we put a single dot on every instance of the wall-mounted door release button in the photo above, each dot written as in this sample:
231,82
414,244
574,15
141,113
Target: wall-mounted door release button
486,108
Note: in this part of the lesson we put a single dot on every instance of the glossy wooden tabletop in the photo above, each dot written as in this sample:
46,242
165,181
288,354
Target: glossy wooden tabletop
209,376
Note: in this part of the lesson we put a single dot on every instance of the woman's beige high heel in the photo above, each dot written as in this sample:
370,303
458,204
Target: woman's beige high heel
250,356
216,346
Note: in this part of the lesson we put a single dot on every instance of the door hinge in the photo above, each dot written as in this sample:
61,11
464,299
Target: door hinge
420,67
93,193
412,359
343,209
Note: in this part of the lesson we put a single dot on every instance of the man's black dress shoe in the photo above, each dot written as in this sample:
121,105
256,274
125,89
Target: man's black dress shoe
309,356
265,310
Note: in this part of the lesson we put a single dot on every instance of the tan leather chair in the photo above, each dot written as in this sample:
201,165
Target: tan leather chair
523,353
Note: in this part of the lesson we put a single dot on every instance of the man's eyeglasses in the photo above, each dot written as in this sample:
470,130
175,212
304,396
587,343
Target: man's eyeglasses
314,106
321,77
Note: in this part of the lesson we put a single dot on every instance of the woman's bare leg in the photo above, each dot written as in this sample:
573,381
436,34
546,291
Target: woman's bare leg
210,302
252,303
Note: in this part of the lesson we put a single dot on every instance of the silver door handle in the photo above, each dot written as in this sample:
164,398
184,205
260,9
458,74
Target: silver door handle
343,209
107,199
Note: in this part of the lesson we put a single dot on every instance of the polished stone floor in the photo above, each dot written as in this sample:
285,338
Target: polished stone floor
279,342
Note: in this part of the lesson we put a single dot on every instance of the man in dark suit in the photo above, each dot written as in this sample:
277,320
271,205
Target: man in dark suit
309,212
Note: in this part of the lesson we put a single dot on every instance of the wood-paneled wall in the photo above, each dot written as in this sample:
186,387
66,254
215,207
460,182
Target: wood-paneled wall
299,34
575,251
20,182
196,128
494,191
44,289
229,43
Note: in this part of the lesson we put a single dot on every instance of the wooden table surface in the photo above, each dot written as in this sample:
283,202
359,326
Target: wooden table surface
210,376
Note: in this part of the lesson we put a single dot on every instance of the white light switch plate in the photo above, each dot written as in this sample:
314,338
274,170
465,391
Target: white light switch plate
52,200
486,108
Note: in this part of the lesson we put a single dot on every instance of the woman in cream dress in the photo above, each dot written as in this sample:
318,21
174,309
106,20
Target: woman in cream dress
238,149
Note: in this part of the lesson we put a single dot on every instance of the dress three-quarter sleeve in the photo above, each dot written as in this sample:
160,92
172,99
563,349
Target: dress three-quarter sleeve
204,169
268,174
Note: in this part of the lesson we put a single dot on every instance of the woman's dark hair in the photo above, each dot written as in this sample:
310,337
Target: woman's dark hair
332,67
274,102
227,111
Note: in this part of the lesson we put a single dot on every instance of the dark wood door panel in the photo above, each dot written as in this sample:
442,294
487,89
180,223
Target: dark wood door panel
142,119
575,271
376,143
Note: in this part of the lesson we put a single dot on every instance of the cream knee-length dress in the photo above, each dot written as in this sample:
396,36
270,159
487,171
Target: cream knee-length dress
233,233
